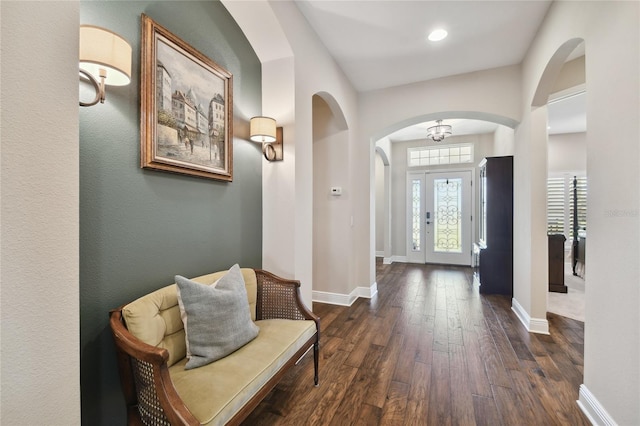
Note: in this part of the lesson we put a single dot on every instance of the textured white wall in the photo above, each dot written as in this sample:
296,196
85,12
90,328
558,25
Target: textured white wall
568,152
40,373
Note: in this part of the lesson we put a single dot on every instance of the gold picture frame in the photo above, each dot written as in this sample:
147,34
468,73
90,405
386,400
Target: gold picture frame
186,117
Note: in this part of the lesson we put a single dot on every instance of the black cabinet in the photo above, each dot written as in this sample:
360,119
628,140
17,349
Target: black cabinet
496,226
556,263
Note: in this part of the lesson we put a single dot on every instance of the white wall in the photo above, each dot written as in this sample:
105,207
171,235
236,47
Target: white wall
309,71
40,364
611,31
493,95
503,141
567,153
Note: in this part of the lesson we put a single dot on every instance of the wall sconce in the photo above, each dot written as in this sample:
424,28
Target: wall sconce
106,56
264,130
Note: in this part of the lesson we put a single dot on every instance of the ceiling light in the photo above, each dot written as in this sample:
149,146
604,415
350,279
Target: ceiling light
437,35
438,132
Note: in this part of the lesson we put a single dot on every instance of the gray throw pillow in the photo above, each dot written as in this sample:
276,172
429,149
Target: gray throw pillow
218,321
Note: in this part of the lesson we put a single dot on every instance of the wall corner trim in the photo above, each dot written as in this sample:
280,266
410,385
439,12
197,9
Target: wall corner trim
592,408
533,325
345,299
368,292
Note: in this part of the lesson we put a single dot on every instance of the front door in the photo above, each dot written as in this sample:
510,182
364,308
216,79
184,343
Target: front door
440,218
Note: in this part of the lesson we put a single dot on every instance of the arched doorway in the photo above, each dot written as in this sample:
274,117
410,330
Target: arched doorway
494,136
332,233
562,88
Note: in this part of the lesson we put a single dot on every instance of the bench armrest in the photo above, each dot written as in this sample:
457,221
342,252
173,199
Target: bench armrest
280,298
149,393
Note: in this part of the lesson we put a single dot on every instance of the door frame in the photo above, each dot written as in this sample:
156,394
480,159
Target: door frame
413,256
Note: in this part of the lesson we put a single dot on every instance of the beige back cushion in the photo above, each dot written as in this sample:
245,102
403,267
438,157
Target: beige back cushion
155,318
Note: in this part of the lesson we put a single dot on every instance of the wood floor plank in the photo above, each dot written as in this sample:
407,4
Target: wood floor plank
406,359
556,399
360,386
478,380
333,393
440,393
381,380
361,347
394,409
485,411
462,412
441,331
387,322
429,349
519,338
504,345
368,415
496,371
418,401
529,404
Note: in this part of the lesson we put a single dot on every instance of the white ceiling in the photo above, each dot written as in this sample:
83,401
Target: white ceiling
383,43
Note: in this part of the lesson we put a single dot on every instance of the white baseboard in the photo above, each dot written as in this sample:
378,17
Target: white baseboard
368,292
592,408
345,299
533,325
387,261
333,298
380,254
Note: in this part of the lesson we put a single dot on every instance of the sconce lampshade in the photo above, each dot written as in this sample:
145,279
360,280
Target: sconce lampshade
101,48
262,129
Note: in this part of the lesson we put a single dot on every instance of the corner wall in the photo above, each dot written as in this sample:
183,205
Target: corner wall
139,228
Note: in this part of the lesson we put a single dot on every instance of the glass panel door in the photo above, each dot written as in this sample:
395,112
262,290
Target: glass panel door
447,212
448,218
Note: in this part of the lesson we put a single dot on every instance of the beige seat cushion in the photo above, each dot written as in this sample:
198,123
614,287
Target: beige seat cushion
215,392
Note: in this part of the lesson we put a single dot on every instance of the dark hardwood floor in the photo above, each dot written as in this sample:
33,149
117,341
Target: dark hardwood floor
430,350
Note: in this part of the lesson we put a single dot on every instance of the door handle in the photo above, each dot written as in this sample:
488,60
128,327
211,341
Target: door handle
428,218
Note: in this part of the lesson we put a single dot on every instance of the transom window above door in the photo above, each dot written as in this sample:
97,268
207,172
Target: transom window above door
440,154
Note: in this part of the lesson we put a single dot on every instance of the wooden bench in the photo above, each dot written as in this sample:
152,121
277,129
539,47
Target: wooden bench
151,351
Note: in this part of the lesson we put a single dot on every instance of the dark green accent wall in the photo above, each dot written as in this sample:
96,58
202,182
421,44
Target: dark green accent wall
139,228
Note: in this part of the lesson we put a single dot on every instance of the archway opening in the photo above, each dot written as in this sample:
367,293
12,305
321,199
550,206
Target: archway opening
332,234
486,134
563,89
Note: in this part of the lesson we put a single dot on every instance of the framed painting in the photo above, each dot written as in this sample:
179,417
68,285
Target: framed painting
186,108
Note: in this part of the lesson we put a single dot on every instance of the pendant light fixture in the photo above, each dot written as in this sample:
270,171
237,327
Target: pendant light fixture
438,132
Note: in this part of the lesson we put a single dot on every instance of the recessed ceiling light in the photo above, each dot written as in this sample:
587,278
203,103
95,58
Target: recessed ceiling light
437,35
